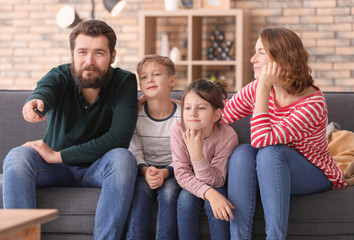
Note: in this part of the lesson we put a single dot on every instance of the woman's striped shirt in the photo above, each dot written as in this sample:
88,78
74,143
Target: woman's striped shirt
301,126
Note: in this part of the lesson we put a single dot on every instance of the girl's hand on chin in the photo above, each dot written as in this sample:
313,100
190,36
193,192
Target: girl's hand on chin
194,140
269,75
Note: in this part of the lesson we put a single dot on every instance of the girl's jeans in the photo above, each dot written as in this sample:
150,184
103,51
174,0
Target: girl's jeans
166,213
115,173
188,211
278,171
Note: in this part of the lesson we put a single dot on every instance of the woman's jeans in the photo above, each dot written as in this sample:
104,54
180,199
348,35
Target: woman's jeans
166,213
115,173
188,211
278,171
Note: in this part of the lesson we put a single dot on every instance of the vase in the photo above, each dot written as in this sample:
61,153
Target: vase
171,5
175,54
164,51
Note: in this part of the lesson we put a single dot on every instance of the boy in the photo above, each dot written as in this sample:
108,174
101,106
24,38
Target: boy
151,147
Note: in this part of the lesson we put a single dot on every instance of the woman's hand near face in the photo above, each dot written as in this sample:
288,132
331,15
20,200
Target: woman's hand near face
269,75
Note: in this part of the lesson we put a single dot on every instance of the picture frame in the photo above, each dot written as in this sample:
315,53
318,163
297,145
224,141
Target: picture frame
214,4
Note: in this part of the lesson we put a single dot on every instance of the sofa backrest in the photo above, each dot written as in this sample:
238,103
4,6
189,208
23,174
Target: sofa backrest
340,107
14,130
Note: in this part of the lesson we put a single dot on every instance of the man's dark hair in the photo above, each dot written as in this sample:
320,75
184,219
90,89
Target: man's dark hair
94,28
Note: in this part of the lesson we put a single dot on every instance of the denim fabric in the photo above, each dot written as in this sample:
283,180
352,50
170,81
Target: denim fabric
278,171
141,209
115,173
188,211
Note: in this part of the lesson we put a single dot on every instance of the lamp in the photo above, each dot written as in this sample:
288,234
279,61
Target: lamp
67,17
114,6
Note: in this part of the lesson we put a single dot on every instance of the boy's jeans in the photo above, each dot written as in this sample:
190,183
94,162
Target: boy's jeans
166,213
115,173
188,211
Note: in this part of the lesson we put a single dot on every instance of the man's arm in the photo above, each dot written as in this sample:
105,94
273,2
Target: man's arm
45,95
49,88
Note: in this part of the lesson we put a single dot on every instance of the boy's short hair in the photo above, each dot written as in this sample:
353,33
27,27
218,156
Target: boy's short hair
165,61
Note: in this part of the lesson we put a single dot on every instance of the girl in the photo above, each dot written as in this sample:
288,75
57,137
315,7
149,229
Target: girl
201,147
288,152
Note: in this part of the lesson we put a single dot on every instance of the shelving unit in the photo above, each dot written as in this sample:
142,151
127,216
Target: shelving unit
194,27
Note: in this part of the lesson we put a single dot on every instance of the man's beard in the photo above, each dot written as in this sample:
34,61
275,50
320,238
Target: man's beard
90,82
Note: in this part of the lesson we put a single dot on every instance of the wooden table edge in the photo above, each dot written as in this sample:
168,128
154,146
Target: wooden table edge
45,215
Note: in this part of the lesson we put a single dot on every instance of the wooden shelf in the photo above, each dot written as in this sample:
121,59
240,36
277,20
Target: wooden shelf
195,63
214,62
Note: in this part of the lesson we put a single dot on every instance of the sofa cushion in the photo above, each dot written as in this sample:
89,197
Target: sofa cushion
64,236
329,211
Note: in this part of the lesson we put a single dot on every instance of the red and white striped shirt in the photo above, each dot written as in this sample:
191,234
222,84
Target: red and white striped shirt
301,126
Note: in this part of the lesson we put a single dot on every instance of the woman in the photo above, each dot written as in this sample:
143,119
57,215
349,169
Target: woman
288,153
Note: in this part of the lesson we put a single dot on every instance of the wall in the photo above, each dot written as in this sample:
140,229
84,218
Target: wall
31,43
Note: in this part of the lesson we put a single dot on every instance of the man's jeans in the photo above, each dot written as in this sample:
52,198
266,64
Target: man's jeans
115,173
278,171
166,212
188,211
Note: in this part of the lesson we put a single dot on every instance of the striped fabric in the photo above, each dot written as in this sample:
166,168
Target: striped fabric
150,144
301,126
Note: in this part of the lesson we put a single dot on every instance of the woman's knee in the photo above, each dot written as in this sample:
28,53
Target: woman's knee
274,157
243,154
243,149
272,154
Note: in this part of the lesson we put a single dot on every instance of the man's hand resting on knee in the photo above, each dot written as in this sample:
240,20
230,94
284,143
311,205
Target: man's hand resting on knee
49,155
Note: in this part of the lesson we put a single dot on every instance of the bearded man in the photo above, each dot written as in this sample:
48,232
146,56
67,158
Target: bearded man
91,109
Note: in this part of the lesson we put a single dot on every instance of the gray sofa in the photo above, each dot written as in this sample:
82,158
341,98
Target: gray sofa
325,216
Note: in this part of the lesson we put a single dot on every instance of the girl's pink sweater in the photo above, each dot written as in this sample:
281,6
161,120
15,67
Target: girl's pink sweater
211,170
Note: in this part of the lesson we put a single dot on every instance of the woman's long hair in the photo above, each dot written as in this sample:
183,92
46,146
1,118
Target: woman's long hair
285,47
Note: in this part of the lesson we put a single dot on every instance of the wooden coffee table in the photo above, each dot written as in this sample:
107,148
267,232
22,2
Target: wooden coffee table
24,223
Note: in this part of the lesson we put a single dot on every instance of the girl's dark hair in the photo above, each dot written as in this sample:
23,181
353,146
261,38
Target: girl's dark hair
215,94
285,47
94,28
